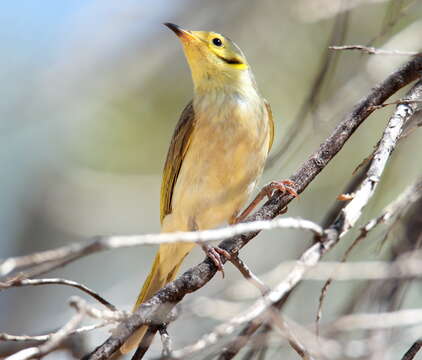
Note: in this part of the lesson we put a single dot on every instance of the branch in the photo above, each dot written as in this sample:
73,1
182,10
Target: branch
91,311
45,337
66,254
414,349
18,282
394,210
353,210
280,325
165,340
374,51
53,342
196,277
342,271
249,275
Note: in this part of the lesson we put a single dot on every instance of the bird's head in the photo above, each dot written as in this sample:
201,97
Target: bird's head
213,59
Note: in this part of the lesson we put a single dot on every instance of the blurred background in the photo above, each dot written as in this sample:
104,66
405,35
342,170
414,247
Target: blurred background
90,94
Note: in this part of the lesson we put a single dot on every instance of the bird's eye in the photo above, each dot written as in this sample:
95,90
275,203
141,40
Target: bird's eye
217,42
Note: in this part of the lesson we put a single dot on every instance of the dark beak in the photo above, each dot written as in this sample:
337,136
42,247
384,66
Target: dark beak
183,34
176,28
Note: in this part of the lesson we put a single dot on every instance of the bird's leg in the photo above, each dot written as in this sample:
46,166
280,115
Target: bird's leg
285,186
215,253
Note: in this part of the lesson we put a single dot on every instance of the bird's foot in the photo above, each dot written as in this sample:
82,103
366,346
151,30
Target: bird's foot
216,253
285,186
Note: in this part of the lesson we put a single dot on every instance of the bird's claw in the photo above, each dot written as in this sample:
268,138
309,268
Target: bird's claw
285,186
215,253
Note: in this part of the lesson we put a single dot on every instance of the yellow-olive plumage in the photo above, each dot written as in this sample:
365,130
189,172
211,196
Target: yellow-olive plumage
216,155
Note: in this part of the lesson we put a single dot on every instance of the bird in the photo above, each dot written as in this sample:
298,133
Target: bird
216,155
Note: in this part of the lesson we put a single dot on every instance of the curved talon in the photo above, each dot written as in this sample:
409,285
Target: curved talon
215,253
285,186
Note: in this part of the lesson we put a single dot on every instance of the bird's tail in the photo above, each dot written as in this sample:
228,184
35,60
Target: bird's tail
164,269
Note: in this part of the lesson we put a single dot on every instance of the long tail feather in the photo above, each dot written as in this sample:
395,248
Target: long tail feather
164,269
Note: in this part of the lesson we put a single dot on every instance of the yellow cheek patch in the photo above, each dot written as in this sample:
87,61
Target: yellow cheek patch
239,66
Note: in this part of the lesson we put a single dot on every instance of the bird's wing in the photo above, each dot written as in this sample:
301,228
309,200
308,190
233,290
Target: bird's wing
176,153
270,123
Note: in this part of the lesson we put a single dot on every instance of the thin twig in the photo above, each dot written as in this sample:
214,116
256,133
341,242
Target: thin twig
165,340
307,260
145,343
281,326
53,342
45,337
111,315
397,102
241,340
17,282
374,51
394,209
249,275
102,243
414,349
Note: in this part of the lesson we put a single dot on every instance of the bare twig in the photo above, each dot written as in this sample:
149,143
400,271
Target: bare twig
309,258
414,349
249,275
394,209
397,102
241,340
248,332
358,175
308,343
165,340
46,337
407,266
145,343
53,342
102,243
352,211
81,305
149,336
278,323
374,51
17,282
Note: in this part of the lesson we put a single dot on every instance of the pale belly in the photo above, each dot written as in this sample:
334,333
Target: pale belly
219,171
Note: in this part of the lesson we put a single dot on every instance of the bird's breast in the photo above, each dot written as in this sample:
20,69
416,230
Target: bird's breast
225,157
